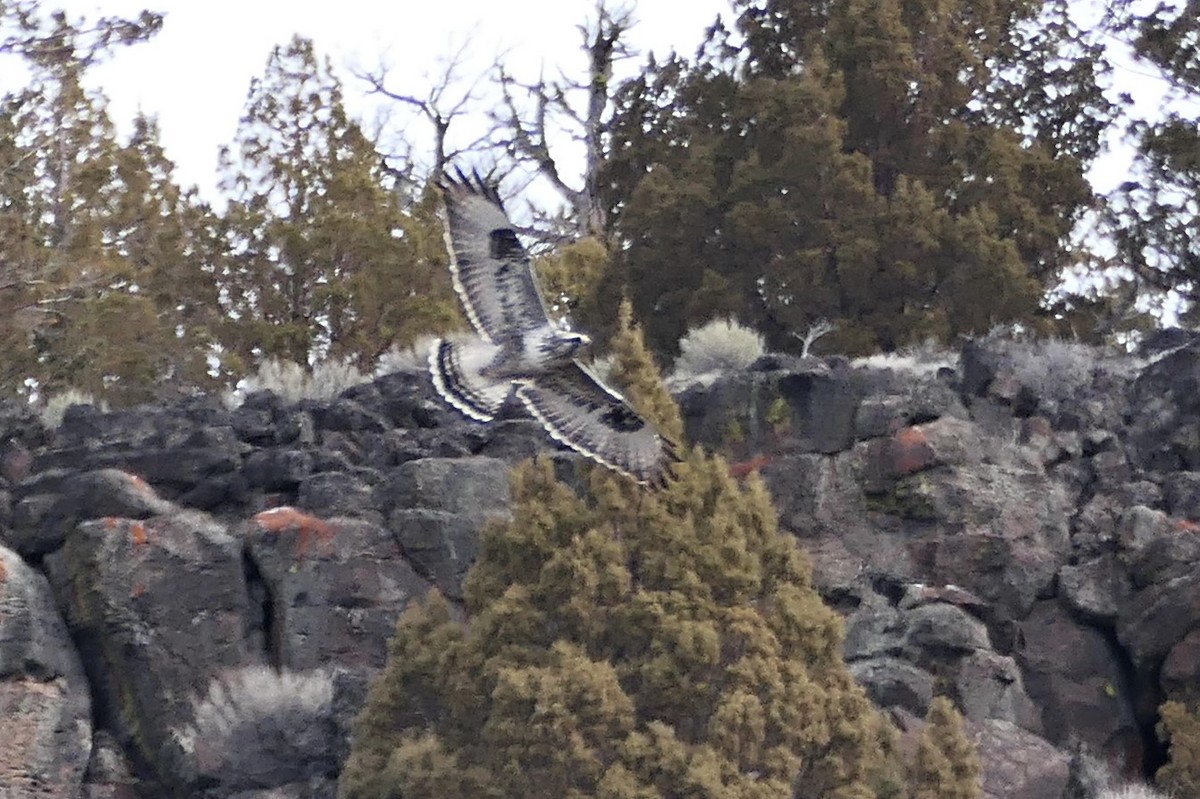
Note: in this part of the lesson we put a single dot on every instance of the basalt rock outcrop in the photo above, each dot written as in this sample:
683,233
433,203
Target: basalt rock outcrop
1017,527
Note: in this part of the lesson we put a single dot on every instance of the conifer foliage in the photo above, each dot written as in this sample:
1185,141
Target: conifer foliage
326,260
891,167
90,229
636,374
946,765
1180,725
1157,215
623,644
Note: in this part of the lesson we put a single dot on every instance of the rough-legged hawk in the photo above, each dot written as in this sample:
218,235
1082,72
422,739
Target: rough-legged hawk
520,348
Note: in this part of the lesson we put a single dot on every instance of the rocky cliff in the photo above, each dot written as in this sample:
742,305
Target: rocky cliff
193,598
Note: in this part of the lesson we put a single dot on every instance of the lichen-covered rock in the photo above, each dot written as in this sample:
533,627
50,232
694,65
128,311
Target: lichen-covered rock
1001,532
894,682
1018,764
57,501
455,485
991,686
1022,523
45,707
1181,669
333,588
812,409
157,606
339,494
945,442
939,630
1164,433
438,506
1096,588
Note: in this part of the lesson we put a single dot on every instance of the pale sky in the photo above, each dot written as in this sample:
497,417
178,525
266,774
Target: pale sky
195,73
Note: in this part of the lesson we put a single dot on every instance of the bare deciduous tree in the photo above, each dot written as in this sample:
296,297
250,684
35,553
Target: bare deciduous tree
448,98
526,120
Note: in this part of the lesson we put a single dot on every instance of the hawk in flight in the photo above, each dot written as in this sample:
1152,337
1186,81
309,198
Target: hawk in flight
521,349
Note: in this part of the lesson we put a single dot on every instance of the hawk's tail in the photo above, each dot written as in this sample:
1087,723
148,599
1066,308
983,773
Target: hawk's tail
457,369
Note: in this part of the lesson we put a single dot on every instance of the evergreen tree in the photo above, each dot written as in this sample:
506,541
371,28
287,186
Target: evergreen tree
71,313
628,645
327,260
946,764
26,30
637,375
173,244
1180,727
1155,212
892,167
24,270
623,644
569,276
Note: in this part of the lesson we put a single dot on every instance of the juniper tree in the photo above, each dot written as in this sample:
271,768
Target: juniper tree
621,644
74,310
172,243
1179,725
570,275
946,765
892,167
1155,212
328,261
636,373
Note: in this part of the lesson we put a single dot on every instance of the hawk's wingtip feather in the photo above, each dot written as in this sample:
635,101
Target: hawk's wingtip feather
564,401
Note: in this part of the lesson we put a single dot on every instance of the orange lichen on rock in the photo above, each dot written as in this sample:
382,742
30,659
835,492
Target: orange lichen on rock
1186,526
743,468
911,436
139,532
910,451
307,527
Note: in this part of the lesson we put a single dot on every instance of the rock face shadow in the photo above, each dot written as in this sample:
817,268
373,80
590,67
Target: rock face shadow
1027,547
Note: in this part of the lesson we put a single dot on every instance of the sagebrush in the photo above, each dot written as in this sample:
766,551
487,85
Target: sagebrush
292,382
718,347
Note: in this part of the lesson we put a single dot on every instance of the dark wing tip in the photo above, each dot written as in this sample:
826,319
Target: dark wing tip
666,472
485,186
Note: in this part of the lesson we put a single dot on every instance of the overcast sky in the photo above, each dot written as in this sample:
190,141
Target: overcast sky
195,73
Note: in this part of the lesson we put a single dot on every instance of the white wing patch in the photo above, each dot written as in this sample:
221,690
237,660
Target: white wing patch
494,279
457,370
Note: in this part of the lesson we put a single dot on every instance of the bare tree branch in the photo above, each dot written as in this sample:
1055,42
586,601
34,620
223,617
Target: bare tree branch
524,122
815,331
448,98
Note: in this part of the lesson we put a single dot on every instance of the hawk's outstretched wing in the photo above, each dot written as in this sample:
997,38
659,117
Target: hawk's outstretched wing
491,269
577,409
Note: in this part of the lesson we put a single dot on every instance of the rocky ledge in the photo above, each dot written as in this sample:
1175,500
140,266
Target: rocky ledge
1015,527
